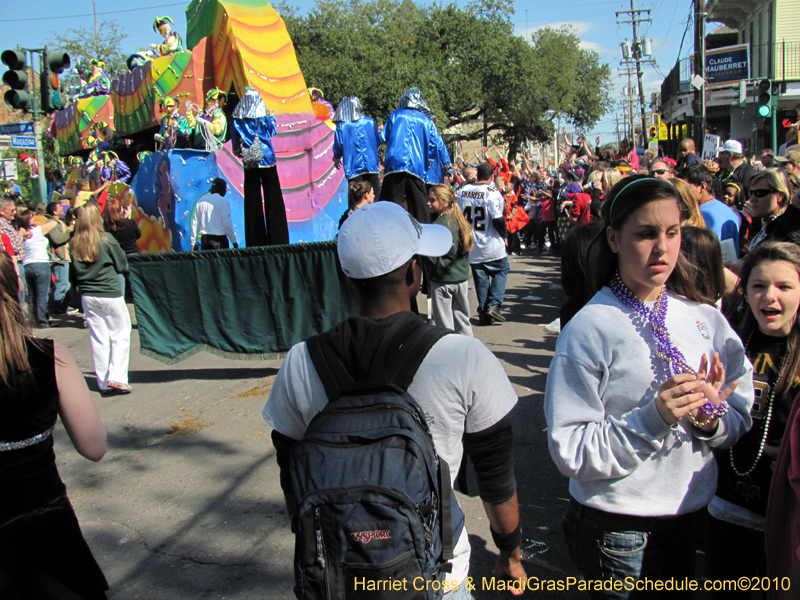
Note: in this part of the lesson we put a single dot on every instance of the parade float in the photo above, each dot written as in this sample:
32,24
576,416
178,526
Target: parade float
230,45
246,302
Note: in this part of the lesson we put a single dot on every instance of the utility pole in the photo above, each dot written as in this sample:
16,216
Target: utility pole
700,69
633,53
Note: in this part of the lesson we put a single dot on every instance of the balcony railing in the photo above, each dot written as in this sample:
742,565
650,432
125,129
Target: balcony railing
779,61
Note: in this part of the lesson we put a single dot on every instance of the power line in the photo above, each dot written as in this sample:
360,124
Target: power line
110,12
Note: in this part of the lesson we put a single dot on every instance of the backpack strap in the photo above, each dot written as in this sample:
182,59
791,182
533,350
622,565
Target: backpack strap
398,355
446,490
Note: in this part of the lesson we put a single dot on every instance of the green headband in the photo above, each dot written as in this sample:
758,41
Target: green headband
611,210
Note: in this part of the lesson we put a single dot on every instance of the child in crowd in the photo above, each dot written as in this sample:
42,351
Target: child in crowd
449,274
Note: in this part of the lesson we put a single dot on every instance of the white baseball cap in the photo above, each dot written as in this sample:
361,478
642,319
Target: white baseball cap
733,146
380,237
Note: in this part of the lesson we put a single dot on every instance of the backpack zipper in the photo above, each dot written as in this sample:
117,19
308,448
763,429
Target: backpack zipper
320,543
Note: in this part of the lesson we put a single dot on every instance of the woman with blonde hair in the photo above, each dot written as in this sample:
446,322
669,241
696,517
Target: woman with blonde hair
43,554
770,201
690,212
449,273
97,260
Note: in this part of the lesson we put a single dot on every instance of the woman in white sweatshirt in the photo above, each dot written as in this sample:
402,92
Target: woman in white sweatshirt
642,388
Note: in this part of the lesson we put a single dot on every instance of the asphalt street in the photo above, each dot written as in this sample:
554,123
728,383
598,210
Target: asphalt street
186,504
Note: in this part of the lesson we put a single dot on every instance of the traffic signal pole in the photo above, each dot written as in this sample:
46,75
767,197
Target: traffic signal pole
37,131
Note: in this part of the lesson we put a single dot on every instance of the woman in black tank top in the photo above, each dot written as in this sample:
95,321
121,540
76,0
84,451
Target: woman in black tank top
43,554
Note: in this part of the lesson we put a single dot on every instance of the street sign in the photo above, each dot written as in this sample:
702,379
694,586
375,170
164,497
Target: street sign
16,129
22,141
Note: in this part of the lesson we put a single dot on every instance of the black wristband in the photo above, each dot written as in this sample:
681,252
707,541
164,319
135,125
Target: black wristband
507,541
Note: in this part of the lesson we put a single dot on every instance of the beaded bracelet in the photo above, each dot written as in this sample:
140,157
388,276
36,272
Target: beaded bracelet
715,410
506,542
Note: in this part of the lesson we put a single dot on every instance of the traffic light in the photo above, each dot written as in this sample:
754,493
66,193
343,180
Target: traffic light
53,63
653,132
764,98
17,79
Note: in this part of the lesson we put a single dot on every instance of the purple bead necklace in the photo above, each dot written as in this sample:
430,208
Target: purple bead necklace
665,350
657,319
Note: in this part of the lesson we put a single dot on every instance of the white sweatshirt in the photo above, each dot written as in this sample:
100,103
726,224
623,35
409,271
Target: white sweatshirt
605,432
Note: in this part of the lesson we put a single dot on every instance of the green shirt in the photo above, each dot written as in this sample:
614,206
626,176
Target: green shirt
99,279
453,267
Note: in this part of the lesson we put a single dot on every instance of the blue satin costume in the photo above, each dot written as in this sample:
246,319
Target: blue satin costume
411,143
265,222
356,145
435,174
244,134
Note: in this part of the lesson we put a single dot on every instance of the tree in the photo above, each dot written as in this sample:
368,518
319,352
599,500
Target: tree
467,62
82,47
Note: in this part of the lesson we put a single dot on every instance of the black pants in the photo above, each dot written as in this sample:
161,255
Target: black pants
373,178
409,192
733,551
258,231
214,242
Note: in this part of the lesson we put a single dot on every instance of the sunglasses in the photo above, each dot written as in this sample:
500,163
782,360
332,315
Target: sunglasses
762,193
658,172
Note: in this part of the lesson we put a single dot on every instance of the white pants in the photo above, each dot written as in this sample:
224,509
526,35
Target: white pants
451,306
110,334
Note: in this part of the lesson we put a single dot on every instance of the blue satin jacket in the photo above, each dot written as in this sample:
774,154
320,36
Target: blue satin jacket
357,142
244,133
412,143
435,173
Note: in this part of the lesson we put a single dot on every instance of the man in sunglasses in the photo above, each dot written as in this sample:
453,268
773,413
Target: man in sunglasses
733,166
661,169
687,156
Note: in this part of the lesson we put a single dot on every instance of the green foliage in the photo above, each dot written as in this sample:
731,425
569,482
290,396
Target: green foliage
81,45
467,62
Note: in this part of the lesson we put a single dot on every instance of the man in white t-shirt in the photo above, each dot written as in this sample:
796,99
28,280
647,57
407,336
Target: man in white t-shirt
483,205
460,385
211,219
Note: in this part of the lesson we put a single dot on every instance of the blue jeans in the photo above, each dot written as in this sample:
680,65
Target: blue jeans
58,297
37,278
607,546
22,295
490,282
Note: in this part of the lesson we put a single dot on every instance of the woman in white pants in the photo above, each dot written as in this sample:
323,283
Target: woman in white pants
97,260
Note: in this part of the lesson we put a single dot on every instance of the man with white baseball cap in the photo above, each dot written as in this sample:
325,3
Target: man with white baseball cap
733,166
460,385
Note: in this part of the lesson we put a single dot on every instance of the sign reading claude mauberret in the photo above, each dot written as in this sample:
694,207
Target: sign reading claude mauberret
727,65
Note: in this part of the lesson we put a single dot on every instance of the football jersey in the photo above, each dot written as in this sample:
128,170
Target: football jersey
480,203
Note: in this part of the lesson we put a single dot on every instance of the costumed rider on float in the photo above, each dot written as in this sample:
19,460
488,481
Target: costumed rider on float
174,132
98,83
104,139
114,169
172,41
355,144
412,144
210,125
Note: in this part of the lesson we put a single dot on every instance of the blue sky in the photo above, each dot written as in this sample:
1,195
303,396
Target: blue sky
32,24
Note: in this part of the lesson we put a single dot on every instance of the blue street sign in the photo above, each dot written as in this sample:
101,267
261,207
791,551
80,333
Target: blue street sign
16,129
21,141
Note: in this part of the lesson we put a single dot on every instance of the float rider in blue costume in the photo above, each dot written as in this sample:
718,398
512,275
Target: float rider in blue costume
355,144
254,126
412,145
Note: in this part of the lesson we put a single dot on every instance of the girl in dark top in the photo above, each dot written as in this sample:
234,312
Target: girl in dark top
770,280
124,230
97,260
43,554
358,194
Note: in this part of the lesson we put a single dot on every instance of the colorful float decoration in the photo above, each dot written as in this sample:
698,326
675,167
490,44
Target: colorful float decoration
230,45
